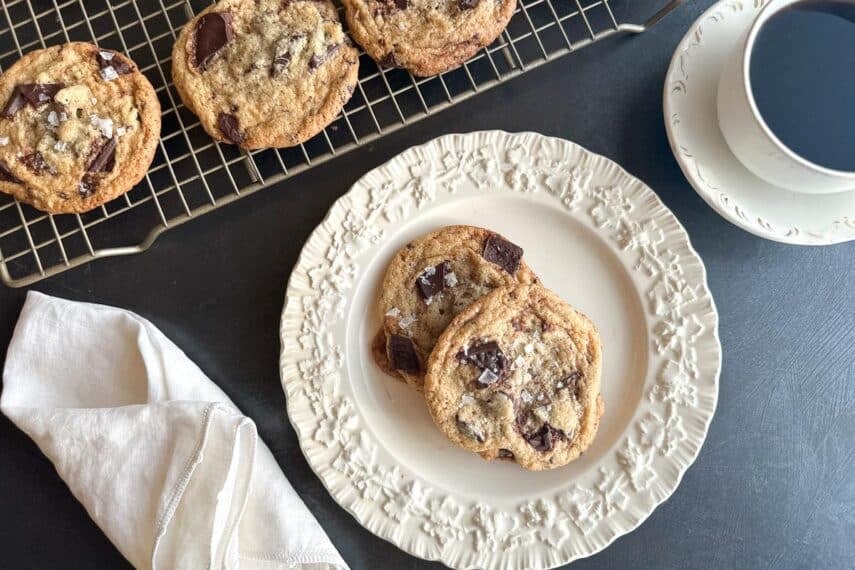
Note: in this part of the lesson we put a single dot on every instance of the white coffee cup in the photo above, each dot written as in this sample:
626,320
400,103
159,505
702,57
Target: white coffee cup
748,135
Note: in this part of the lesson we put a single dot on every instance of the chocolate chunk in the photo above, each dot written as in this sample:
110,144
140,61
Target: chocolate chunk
284,53
571,382
503,253
280,64
432,281
319,59
386,7
381,358
121,66
34,94
36,162
213,32
37,94
6,175
506,454
402,354
104,159
87,185
545,438
389,60
15,103
463,5
486,356
106,58
230,127
522,420
470,430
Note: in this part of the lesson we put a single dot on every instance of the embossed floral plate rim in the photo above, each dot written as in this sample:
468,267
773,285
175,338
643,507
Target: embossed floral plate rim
799,225
588,513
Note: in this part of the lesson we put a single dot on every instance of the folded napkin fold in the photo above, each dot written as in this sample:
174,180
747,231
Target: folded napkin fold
162,460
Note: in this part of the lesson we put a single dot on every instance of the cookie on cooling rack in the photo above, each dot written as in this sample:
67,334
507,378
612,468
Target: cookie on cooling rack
432,279
79,126
265,73
426,37
516,375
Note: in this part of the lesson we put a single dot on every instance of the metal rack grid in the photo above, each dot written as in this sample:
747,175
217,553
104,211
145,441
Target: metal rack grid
192,174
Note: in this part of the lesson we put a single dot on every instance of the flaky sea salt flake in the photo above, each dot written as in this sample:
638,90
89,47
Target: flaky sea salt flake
103,125
487,377
109,73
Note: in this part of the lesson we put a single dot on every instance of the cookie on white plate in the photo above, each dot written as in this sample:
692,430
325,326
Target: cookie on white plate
516,375
432,279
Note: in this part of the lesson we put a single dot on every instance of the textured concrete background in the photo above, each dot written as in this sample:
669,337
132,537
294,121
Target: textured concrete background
774,485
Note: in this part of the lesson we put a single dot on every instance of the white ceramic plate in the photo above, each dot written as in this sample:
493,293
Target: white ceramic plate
598,237
691,120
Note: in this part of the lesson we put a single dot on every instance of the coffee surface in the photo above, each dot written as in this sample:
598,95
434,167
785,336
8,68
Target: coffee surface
802,72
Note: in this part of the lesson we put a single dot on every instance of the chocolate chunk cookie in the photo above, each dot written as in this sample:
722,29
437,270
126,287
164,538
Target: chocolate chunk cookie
517,376
79,126
431,280
265,73
426,37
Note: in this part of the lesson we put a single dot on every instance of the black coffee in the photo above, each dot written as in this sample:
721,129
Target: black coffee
802,73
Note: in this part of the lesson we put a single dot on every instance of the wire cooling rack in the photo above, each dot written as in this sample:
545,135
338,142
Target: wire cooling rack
191,174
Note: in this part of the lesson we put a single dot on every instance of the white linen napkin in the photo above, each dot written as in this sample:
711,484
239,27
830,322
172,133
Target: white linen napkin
162,460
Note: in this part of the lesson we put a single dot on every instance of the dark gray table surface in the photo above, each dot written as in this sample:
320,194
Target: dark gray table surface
774,485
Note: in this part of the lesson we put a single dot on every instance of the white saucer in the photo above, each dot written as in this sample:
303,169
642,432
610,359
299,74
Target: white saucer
712,169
